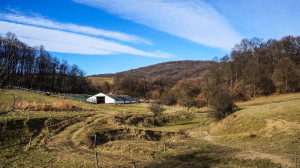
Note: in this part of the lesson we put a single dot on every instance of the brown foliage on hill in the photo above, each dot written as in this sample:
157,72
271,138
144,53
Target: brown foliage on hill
173,70
151,81
253,68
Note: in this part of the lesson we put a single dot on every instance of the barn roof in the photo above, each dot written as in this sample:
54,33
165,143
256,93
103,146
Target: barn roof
120,97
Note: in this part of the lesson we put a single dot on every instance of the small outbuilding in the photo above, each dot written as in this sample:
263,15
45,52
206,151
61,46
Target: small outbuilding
102,98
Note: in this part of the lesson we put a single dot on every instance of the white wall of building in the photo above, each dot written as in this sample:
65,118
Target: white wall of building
108,99
93,99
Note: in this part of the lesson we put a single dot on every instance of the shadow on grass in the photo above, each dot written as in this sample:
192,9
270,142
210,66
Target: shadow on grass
192,159
206,160
187,123
3,113
182,123
239,109
205,155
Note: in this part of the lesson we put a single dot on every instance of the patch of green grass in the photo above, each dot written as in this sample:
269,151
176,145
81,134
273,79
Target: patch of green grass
183,125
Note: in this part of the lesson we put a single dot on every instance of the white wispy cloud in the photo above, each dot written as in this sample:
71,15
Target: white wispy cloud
42,22
194,20
69,42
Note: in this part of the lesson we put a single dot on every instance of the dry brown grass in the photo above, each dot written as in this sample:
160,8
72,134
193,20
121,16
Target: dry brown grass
64,105
67,136
266,127
59,105
100,80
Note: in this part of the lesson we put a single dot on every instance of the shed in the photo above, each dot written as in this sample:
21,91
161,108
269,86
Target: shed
110,98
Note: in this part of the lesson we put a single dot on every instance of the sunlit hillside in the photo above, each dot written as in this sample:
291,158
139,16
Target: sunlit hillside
98,81
264,132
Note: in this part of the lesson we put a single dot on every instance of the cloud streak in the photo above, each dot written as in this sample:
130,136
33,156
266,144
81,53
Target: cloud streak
69,42
42,22
192,20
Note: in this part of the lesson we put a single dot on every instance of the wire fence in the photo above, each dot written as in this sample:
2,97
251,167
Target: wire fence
79,97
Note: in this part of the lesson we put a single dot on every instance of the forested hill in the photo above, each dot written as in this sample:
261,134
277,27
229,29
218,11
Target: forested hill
35,68
108,75
173,70
254,68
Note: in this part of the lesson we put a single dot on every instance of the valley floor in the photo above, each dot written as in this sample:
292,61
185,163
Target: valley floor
264,132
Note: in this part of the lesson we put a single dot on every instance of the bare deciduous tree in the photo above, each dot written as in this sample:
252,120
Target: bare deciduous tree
156,109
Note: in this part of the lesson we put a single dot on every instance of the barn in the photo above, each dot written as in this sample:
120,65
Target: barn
110,98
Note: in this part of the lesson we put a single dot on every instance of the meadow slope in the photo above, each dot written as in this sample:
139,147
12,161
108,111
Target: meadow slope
264,132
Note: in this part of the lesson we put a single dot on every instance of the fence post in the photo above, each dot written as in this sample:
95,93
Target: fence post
95,140
133,164
164,145
29,145
96,157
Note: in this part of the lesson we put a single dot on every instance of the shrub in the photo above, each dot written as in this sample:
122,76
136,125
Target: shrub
156,109
240,92
179,116
200,100
223,103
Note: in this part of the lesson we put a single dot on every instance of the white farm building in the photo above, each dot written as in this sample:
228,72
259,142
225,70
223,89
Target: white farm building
110,98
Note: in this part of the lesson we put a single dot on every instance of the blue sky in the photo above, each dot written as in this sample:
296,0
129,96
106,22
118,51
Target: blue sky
108,36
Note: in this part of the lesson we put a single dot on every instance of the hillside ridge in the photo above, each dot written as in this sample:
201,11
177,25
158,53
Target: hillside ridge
174,70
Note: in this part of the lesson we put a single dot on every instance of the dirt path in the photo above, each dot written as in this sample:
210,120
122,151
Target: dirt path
89,121
64,145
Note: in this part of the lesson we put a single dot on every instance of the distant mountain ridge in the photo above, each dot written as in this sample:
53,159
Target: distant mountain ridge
108,75
172,70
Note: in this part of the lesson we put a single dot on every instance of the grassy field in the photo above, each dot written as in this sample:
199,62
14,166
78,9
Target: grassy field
269,125
263,133
100,80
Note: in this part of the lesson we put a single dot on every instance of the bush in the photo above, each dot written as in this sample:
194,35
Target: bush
240,92
223,103
179,116
156,109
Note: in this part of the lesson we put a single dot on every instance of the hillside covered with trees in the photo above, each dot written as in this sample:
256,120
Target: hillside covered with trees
172,70
140,82
253,68
34,67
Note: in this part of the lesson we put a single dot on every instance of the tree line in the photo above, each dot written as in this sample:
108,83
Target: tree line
253,68
34,67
